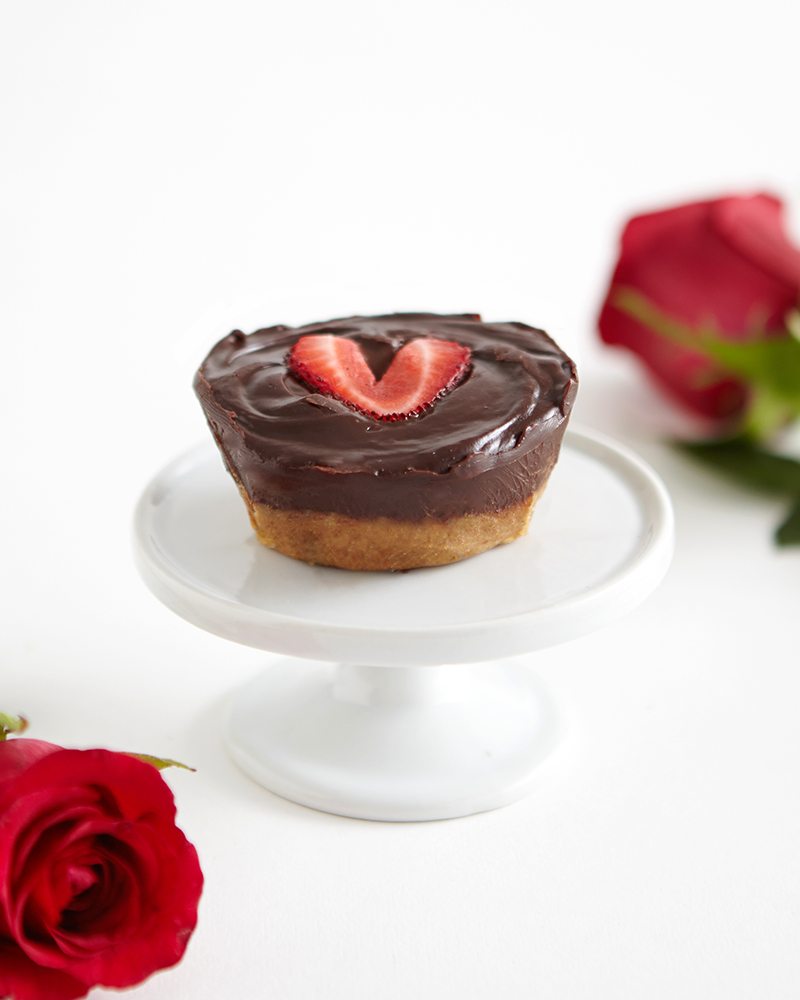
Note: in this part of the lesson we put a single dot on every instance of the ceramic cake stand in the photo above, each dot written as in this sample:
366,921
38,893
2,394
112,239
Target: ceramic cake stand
395,702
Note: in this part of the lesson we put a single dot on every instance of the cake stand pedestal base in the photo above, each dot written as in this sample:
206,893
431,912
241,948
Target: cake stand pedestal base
405,738
384,743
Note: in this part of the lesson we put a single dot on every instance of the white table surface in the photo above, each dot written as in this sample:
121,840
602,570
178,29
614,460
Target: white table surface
173,170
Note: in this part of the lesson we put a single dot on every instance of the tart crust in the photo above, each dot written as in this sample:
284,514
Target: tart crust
384,543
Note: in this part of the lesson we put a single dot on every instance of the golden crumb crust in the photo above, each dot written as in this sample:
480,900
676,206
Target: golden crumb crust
383,543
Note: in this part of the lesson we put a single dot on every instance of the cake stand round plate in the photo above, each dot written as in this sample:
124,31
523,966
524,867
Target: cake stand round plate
338,729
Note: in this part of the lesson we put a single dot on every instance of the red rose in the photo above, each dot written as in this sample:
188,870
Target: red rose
98,887
725,263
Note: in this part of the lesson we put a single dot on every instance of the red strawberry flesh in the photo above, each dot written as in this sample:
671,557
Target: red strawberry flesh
420,372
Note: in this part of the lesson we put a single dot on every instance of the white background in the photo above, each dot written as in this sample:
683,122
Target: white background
172,170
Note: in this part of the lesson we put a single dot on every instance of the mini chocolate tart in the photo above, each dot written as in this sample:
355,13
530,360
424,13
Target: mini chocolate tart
331,478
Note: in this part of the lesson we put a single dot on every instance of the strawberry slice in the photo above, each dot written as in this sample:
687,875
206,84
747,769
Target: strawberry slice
420,372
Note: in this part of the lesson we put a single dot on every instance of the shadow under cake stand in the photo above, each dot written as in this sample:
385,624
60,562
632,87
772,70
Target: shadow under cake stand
395,702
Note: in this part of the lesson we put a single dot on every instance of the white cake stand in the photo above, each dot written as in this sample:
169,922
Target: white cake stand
335,727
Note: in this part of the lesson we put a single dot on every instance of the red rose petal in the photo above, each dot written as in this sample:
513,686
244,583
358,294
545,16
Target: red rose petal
22,979
18,754
754,227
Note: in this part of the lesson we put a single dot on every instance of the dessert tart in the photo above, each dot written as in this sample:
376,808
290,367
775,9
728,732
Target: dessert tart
388,442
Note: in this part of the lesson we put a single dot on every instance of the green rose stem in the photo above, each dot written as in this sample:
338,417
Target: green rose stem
11,724
769,364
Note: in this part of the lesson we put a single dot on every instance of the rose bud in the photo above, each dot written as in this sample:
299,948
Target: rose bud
98,887
724,265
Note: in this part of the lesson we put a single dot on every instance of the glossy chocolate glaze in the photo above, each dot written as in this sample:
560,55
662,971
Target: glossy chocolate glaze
487,444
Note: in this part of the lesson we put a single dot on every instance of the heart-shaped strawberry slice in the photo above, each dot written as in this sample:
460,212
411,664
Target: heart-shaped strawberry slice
420,372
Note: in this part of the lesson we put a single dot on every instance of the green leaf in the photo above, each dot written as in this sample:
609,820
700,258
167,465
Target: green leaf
161,763
747,464
11,724
769,362
789,531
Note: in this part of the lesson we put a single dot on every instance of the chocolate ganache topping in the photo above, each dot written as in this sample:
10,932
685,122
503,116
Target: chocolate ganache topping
487,444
